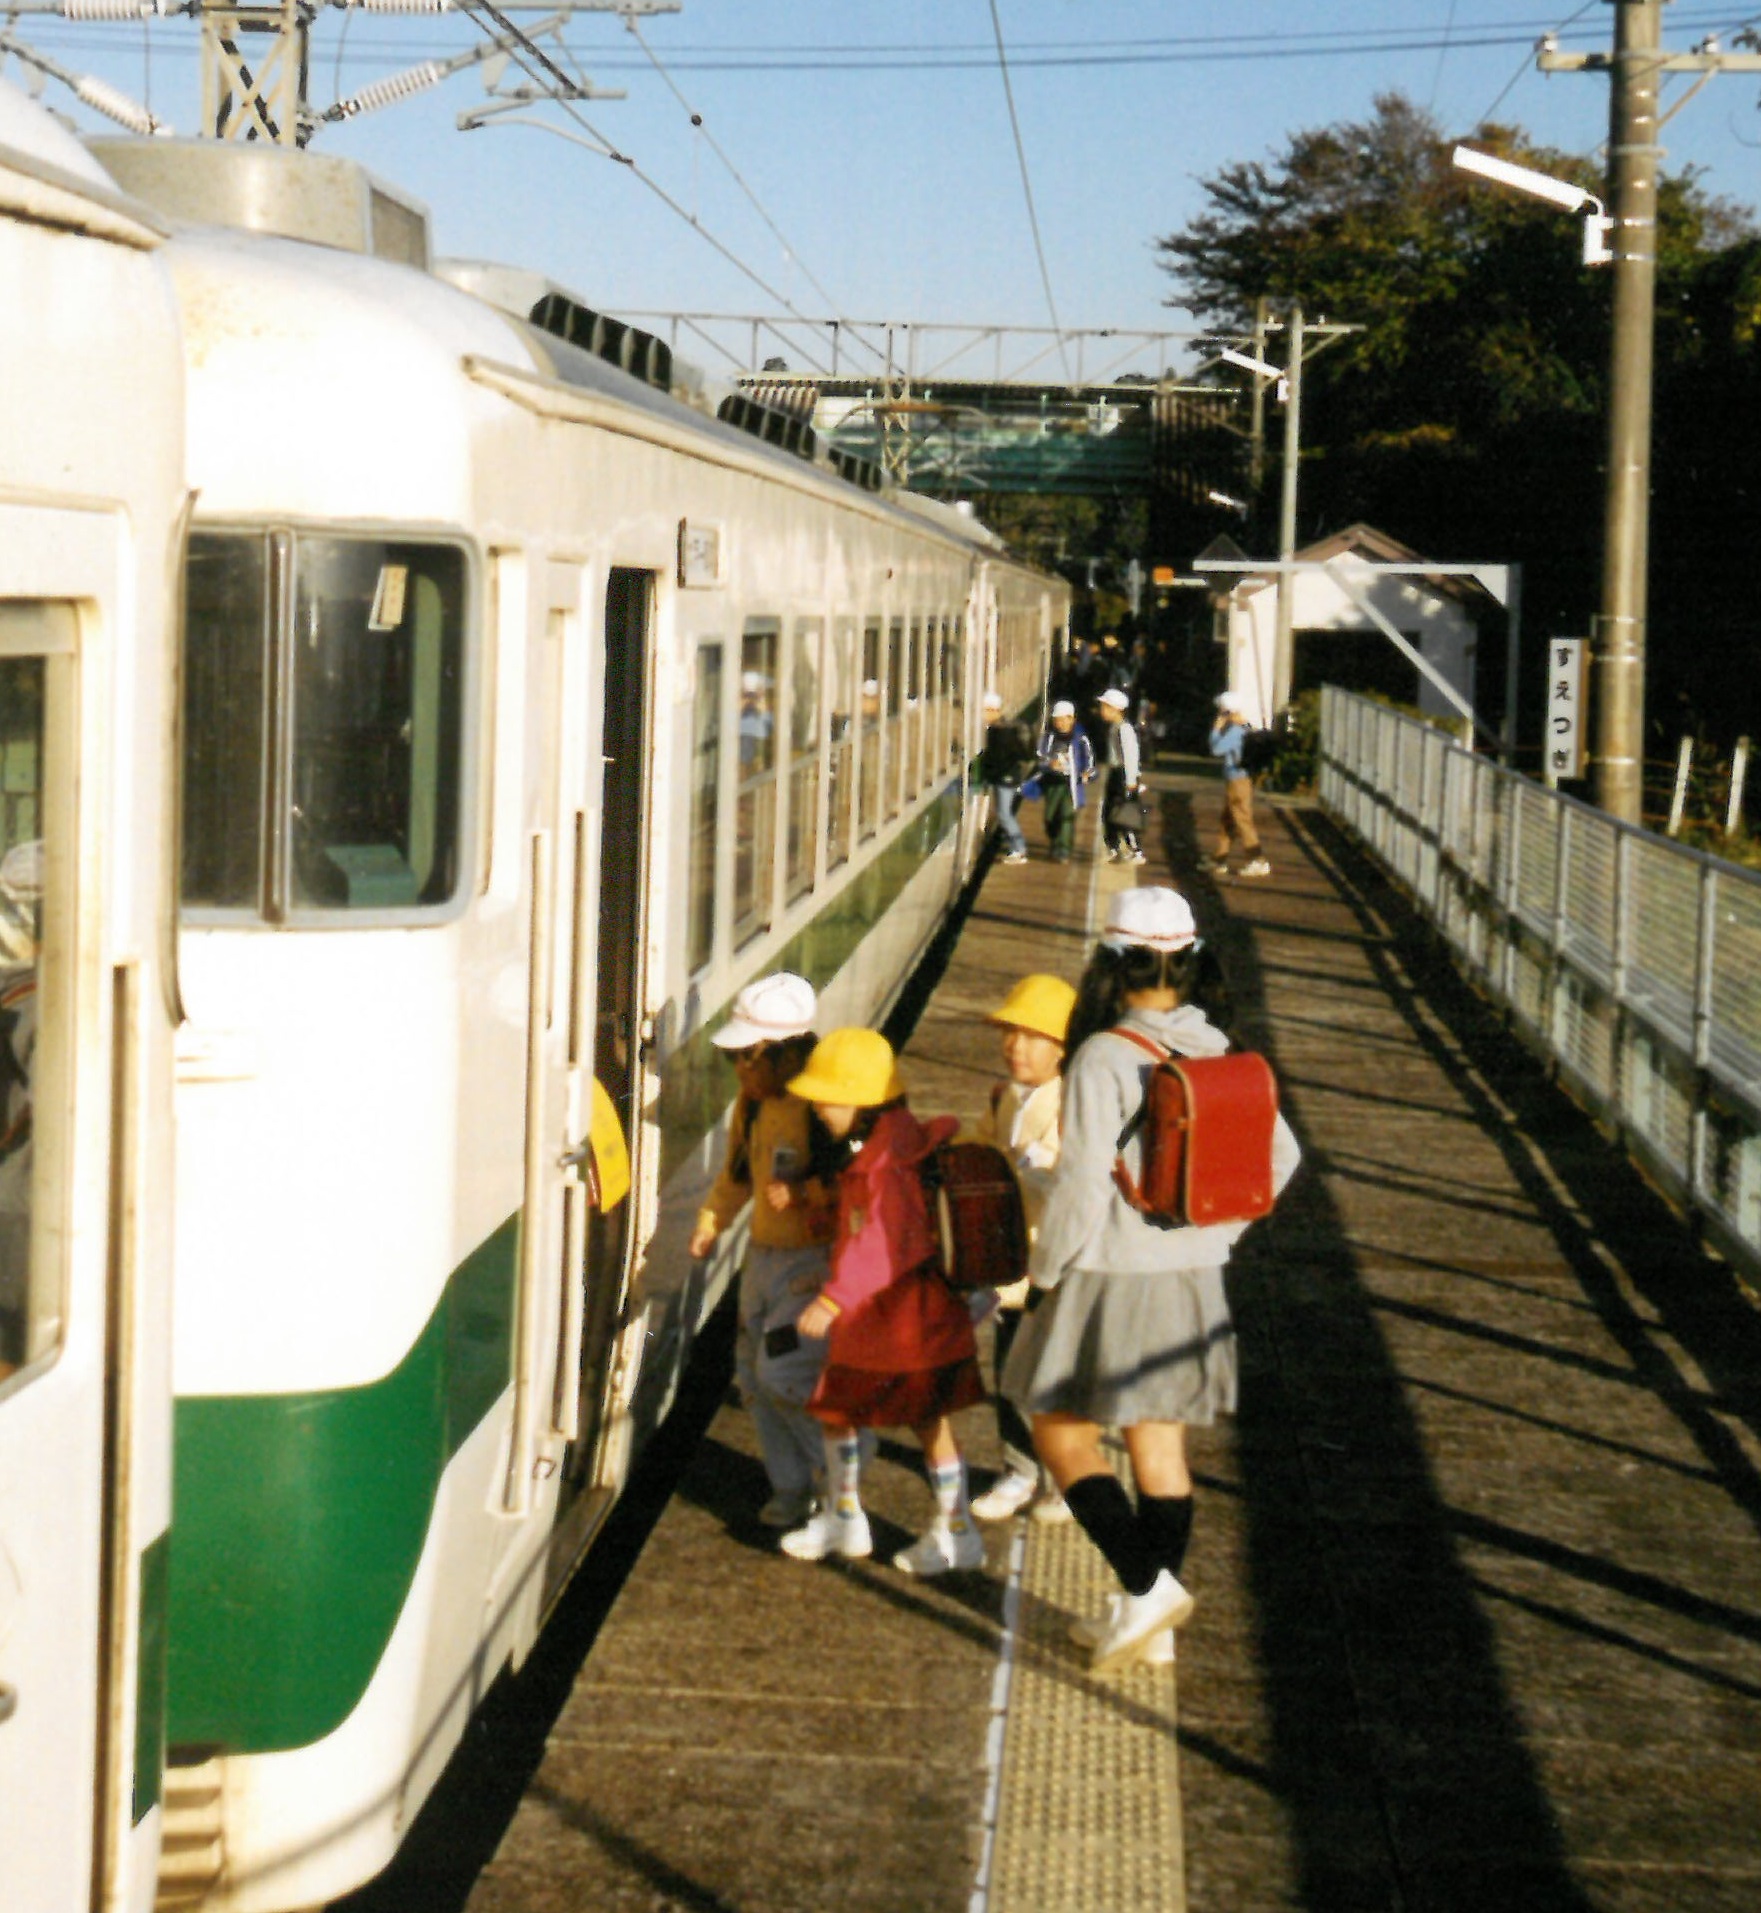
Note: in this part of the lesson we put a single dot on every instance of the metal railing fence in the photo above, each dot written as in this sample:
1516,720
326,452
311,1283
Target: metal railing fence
1631,962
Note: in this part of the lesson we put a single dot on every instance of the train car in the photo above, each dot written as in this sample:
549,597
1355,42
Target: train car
529,710
90,523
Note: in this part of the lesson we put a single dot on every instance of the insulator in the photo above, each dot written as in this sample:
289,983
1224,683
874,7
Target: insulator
103,98
402,6
107,9
384,92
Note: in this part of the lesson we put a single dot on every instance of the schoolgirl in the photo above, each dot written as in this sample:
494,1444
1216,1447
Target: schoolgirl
899,1350
1135,1332
1022,1119
786,1165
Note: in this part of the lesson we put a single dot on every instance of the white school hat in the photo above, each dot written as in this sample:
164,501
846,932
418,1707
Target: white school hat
992,701
871,687
1116,698
1063,708
769,1010
1228,701
1154,916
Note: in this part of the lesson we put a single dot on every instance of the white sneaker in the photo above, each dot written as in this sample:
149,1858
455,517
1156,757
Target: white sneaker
1136,1618
1008,1496
787,1510
1016,857
1137,857
1089,1634
830,1533
1257,868
942,1548
1051,1506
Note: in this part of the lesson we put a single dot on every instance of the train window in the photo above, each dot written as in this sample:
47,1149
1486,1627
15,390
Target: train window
804,693
913,713
37,640
895,661
755,794
322,724
378,658
841,800
869,743
706,765
957,693
225,712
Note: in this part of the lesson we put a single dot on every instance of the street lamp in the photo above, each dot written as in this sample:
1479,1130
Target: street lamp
1556,192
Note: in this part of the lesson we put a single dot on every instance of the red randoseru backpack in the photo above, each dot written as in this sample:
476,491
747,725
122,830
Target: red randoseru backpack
1206,1130
976,1204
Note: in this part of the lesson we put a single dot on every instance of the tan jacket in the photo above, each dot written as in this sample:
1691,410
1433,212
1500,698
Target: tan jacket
779,1124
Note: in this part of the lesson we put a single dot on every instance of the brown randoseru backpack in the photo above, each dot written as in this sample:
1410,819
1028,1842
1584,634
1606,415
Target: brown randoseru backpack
1206,1129
976,1203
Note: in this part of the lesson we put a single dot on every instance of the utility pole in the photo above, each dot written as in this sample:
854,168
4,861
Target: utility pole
1283,648
1256,463
1634,69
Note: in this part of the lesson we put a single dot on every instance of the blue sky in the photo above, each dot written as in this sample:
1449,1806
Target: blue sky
876,137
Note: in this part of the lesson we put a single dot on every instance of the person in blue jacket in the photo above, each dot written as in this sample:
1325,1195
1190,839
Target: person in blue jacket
1235,824
1066,763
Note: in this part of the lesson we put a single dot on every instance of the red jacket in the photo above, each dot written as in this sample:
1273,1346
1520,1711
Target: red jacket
892,1316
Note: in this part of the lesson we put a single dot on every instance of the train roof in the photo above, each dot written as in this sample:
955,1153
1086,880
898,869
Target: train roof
48,177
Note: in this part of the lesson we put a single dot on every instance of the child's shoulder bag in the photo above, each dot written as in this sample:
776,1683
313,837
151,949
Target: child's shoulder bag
1205,1129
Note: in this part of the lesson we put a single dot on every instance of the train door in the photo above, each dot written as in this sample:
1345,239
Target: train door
53,1236
616,937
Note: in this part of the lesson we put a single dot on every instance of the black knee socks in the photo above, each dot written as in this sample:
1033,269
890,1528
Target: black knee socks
1101,1505
1165,1522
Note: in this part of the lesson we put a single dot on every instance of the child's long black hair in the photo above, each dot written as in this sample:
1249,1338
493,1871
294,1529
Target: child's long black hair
1194,974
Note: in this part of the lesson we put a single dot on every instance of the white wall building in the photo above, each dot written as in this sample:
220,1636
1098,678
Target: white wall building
1335,643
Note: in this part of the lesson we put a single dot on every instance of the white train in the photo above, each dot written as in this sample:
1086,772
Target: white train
527,710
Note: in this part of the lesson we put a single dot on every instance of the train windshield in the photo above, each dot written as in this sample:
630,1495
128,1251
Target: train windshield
323,691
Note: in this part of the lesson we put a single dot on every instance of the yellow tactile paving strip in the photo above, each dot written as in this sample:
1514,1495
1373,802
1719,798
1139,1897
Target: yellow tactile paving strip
1088,1817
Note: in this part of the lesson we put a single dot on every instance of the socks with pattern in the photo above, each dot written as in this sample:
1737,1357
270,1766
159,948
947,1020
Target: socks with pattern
843,1472
1104,1509
948,1480
1165,1522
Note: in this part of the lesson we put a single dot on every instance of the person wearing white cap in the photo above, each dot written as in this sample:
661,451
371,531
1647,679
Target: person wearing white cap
782,1161
1122,806
1004,762
1066,763
1134,1330
1235,824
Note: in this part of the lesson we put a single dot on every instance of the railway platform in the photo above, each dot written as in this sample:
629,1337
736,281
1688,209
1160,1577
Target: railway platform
1478,1563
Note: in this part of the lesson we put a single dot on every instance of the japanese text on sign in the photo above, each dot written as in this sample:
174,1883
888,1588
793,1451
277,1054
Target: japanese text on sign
1564,738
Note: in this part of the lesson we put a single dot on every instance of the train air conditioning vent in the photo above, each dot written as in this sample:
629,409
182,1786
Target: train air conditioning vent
858,470
192,1856
626,346
788,430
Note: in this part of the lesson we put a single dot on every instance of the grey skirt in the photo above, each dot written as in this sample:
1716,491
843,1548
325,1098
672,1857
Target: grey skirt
1124,1348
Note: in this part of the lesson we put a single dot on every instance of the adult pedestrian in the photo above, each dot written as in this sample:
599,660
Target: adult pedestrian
1066,761
1004,764
1135,1332
1235,823
1122,799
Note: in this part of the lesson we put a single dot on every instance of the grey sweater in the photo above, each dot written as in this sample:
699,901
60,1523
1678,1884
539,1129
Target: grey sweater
1087,1224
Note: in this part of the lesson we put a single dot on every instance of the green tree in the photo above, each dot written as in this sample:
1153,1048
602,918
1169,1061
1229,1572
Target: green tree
1466,417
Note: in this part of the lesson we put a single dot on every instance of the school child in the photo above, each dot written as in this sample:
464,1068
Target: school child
899,1350
1066,763
1134,1332
1122,801
785,1164
1022,1118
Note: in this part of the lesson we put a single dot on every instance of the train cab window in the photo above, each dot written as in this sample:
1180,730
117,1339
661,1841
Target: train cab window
841,757
322,715
755,792
892,723
869,741
37,647
706,764
804,694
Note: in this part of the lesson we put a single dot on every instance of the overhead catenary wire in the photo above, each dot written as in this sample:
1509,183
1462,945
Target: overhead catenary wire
1027,187
522,45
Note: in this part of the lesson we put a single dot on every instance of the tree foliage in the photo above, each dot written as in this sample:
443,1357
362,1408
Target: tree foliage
1466,416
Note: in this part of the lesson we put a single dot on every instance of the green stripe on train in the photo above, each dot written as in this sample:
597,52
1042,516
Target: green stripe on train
299,1520
149,1773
